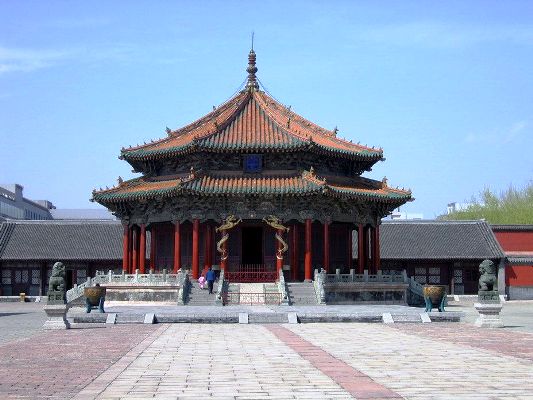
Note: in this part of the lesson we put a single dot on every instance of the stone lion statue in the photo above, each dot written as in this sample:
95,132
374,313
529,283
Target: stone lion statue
57,279
488,276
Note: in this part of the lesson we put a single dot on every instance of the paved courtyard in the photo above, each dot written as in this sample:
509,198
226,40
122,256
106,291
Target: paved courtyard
232,361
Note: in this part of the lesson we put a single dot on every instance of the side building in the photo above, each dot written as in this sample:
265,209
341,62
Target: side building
441,252
517,243
434,252
28,250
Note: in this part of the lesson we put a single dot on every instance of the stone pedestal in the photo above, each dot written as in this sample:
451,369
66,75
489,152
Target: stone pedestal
57,316
489,315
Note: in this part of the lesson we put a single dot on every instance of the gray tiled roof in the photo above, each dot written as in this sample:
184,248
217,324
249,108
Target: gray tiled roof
523,260
438,240
61,240
102,240
497,228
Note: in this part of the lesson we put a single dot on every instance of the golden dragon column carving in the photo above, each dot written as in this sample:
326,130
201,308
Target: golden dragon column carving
275,223
230,222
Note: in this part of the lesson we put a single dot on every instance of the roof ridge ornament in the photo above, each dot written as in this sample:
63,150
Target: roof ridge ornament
252,84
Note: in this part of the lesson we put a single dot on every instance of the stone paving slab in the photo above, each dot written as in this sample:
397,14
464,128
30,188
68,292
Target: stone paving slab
350,379
20,320
58,364
219,361
501,341
420,367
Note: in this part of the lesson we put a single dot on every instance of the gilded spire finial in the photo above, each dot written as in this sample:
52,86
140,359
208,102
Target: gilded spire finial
252,69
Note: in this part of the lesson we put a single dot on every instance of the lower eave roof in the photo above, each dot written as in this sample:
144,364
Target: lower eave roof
304,184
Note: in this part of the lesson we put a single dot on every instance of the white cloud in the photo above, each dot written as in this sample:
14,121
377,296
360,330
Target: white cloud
514,131
498,138
436,34
18,59
26,59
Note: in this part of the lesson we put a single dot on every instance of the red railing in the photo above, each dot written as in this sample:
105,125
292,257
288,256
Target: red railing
251,298
251,273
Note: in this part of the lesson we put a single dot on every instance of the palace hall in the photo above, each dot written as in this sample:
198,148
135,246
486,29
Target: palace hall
251,188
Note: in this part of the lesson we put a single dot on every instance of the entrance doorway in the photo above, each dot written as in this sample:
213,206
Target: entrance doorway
252,245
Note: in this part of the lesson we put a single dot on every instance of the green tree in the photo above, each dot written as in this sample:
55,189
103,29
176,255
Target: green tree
512,206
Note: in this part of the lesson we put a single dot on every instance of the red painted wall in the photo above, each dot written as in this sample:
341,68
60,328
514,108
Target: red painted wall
515,240
519,275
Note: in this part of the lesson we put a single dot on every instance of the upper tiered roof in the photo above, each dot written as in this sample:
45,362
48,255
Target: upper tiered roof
251,121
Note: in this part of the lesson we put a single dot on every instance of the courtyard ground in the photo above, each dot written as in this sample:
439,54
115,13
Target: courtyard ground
343,360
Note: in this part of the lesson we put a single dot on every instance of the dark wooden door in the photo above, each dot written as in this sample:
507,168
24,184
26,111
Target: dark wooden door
252,245
21,281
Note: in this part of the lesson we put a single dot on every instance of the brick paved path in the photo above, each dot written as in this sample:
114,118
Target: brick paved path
418,367
180,361
500,341
220,361
20,320
350,379
58,364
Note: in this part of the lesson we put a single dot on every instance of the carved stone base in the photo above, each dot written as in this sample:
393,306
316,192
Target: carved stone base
489,315
57,316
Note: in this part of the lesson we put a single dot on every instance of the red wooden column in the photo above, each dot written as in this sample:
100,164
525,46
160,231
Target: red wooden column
373,249
360,248
177,246
142,249
126,249
366,249
376,255
279,255
294,254
208,248
130,250
350,248
308,252
326,246
195,249
152,247
135,256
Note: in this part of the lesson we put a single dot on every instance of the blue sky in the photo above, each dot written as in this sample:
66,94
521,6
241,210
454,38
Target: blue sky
446,88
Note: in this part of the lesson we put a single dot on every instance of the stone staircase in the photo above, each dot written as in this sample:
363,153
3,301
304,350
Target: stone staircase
301,293
201,297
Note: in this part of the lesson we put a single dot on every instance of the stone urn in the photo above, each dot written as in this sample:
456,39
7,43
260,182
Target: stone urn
94,294
434,296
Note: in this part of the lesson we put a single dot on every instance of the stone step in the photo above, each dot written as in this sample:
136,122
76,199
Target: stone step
268,318
129,318
406,318
230,316
201,297
301,293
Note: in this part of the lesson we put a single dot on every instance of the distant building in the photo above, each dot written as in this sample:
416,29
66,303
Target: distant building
454,207
396,215
13,205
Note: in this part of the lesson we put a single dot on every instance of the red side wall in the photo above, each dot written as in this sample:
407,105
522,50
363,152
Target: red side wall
519,275
515,240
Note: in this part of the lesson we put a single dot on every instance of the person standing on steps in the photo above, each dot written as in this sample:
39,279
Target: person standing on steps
210,278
